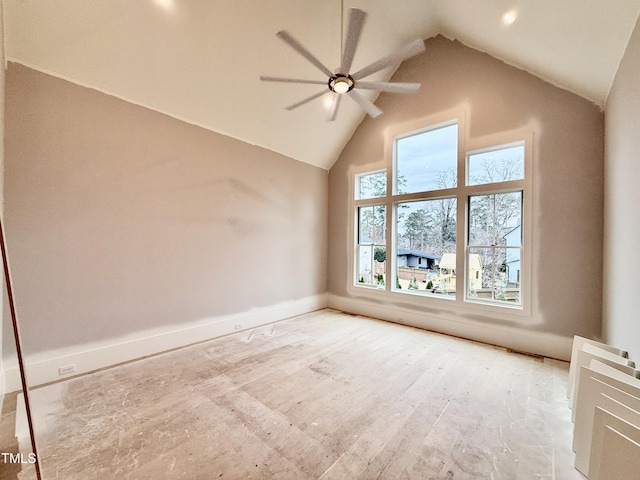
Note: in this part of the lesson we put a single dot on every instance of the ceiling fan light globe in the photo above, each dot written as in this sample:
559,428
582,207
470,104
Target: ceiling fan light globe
341,83
341,87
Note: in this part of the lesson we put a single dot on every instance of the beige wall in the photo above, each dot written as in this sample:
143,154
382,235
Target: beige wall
567,194
622,200
121,219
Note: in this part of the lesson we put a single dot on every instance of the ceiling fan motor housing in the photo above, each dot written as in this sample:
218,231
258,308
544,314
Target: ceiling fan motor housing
341,83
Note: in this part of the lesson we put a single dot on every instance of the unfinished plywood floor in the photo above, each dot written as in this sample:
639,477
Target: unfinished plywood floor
321,396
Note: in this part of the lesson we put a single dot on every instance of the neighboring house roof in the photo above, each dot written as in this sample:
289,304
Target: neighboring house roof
417,253
365,239
404,251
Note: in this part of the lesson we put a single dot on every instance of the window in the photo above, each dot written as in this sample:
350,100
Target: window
425,233
495,165
427,160
425,165
371,185
495,243
372,247
458,219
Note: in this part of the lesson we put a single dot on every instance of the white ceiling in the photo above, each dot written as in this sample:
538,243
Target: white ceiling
200,60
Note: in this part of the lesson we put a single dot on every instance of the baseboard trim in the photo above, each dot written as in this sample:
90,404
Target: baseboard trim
43,368
518,339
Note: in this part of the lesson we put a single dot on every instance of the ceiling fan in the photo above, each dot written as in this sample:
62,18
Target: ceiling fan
343,82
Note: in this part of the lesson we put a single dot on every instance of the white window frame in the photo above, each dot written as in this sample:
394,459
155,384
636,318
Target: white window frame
525,185
353,233
356,254
466,145
467,252
356,184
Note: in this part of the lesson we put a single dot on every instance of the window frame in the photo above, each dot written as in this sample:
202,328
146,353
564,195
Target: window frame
354,175
497,142
393,258
469,247
358,177
466,145
413,133
356,252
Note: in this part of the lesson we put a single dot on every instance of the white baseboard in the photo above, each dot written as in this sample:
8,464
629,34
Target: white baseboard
539,343
43,367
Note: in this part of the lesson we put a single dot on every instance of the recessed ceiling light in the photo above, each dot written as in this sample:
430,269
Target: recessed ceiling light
508,18
328,101
165,3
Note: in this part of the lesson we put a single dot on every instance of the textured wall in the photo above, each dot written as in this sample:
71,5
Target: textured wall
567,181
121,219
622,198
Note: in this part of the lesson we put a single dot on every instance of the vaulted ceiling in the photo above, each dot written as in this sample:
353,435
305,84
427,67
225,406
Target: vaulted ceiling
200,60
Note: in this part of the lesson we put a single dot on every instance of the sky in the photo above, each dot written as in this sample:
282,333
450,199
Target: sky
421,157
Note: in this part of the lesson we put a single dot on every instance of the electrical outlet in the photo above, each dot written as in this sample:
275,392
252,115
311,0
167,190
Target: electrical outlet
66,370
238,326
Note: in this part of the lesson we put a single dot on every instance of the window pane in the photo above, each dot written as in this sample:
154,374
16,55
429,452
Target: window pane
426,246
371,251
494,274
365,263
498,165
494,219
371,224
371,265
372,185
427,161
495,240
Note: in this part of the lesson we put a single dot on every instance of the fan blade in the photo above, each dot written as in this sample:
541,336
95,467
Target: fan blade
394,87
334,107
365,104
413,48
354,29
308,99
297,46
264,78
